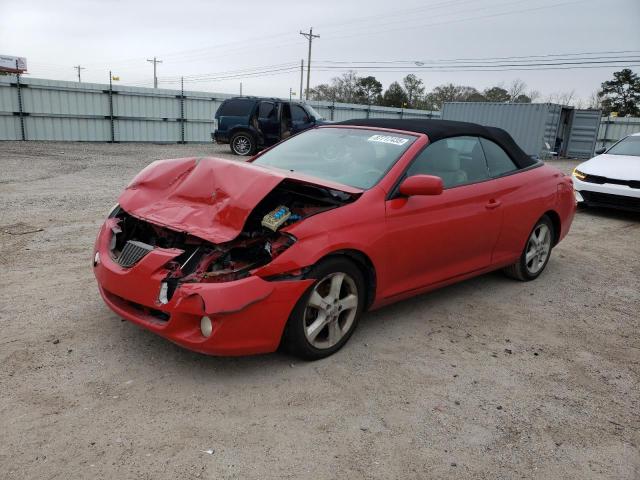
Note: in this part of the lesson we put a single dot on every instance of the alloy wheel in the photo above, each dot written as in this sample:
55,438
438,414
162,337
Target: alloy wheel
242,145
538,248
331,310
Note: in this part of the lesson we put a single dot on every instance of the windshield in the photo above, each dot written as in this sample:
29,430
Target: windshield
628,146
313,113
354,157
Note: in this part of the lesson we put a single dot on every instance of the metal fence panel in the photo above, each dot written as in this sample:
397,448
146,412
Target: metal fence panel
347,111
9,127
58,110
66,129
613,129
8,98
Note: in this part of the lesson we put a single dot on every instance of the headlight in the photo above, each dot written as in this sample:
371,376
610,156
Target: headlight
578,174
114,211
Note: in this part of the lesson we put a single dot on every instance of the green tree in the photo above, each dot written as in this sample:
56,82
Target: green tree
324,91
395,96
476,97
622,94
522,98
414,88
341,89
369,90
497,94
448,93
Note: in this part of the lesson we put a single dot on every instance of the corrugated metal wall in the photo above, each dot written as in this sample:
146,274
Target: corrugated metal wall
613,129
57,110
348,111
532,125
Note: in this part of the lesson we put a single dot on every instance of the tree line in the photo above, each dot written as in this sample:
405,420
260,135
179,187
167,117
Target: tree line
620,95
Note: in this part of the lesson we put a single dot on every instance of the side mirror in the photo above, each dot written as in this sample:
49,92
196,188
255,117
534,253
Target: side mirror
600,151
421,185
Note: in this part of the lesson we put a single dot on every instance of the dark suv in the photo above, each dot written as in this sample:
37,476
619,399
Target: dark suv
250,123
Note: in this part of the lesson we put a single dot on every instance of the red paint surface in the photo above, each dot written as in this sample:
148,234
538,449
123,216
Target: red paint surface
210,198
414,244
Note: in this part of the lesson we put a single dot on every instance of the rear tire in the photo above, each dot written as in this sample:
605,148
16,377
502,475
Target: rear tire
536,253
327,314
243,144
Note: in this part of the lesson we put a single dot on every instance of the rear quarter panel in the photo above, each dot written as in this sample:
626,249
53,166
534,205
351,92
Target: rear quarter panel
525,197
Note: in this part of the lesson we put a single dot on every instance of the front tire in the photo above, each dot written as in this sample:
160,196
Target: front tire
536,253
243,144
326,316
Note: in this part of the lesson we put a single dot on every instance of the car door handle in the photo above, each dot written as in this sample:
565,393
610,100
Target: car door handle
493,204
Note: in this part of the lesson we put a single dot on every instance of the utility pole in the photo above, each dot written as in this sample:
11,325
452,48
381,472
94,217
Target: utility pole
78,68
301,77
240,88
309,36
155,62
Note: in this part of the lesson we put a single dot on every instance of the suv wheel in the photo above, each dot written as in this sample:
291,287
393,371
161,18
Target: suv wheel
242,143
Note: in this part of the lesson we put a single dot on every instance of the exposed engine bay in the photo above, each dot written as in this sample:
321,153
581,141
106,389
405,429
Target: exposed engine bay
259,243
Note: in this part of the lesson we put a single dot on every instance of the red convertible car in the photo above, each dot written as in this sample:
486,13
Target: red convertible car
290,248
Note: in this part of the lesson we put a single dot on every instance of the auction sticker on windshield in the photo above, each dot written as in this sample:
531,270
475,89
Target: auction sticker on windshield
388,139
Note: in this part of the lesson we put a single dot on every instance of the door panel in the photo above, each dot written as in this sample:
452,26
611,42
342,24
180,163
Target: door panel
268,122
584,132
434,238
300,119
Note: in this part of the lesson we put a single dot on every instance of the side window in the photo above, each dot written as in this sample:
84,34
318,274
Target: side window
497,159
236,108
298,114
456,160
266,109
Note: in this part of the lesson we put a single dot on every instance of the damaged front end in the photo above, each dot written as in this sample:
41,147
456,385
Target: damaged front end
261,240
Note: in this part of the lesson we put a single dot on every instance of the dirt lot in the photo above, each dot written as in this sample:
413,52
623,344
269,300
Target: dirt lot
490,378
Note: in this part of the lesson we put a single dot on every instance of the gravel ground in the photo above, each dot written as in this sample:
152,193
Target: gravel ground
489,378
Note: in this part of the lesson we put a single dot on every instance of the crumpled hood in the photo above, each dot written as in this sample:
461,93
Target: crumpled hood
209,198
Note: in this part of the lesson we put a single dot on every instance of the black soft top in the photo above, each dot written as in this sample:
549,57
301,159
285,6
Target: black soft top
439,129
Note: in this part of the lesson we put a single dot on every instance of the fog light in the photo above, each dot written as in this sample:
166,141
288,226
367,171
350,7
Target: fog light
162,296
96,259
206,327
579,197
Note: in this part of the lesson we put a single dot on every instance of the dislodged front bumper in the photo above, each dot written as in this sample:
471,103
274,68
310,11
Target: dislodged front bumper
248,315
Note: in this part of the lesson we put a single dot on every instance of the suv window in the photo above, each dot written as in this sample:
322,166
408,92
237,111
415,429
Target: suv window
266,109
236,108
497,159
298,114
456,160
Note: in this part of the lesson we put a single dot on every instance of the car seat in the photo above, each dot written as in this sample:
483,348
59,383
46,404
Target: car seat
475,167
445,163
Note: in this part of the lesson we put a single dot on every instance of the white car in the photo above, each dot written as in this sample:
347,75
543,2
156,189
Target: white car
611,179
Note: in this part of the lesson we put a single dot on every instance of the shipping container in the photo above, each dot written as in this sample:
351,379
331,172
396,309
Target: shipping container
540,129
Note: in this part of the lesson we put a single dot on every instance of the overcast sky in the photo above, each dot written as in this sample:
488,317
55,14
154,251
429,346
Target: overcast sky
203,39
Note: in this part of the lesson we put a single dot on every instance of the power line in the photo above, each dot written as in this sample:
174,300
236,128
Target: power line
487,66
587,55
237,71
309,36
507,69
